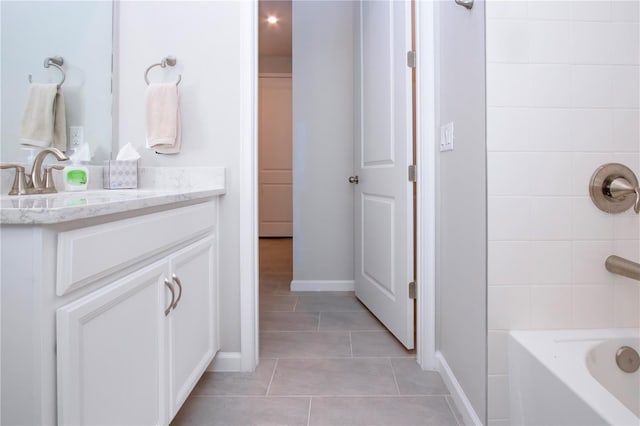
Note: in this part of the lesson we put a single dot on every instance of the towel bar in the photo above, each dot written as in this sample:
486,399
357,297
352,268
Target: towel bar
169,60
55,61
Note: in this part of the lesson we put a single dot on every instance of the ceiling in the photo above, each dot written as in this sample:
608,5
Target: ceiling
274,39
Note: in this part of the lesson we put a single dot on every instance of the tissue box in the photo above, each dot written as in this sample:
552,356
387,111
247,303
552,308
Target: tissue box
118,174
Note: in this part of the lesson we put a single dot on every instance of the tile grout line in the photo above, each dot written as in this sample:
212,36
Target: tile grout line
273,374
350,344
319,319
309,412
393,372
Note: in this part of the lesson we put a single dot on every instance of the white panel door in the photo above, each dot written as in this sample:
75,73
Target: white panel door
193,332
111,366
275,157
384,196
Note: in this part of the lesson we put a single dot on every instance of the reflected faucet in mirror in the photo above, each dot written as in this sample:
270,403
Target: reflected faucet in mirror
35,183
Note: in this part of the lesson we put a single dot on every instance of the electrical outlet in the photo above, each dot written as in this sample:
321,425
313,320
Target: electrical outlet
76,136
446,137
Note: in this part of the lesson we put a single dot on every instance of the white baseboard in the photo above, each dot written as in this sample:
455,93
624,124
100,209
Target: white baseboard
469,415
322,285
226,362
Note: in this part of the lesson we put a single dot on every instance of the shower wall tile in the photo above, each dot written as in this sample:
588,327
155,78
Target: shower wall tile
547,10
593,306
592,86
549,42
626,305
626,131
550,85
592,129
591,43
549,219
509,307
590,10
497,356
625,11
551,307
563,98
549,129
505,40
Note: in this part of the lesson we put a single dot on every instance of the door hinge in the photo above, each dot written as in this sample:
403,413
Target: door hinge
412,290
412,173
411,58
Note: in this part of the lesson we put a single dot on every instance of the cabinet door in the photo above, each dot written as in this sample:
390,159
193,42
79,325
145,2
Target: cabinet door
192,325
111,353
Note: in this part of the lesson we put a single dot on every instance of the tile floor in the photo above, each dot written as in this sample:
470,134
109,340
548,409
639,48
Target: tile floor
324,360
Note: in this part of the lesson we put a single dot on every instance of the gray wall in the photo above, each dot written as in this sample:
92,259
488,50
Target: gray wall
461,215
323,59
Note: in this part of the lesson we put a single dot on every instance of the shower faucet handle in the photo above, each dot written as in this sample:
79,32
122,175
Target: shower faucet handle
620,188
614,188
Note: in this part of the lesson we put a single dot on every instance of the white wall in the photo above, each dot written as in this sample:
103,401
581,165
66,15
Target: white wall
563,98
81,33
205,39
323,104
461,200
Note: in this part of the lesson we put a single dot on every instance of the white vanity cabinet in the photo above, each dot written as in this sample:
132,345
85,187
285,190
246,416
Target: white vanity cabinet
131,352
108,321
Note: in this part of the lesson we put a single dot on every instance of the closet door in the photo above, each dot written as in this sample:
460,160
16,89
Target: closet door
275,157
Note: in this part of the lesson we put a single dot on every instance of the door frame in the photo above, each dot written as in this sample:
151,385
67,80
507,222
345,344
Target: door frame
425,196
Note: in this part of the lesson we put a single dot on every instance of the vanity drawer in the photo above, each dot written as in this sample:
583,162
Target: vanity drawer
88,254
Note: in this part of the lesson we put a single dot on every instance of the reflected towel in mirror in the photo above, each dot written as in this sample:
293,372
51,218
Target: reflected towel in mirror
44,123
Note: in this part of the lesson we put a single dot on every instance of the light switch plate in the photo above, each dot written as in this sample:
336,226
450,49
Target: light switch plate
446,137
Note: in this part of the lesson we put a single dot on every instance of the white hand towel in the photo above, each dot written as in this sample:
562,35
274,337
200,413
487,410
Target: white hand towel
44,123
163,118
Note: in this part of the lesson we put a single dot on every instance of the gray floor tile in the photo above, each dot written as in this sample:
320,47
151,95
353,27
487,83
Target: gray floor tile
377,343
371,411
362,320
270,302
328,303
304,344
412,380
232,411
255,383
455,411
347,376
289,321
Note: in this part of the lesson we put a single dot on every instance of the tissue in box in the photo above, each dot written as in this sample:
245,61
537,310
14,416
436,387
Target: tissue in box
119,174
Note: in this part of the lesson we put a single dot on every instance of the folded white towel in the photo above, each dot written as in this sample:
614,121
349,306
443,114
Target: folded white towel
44,123
163,118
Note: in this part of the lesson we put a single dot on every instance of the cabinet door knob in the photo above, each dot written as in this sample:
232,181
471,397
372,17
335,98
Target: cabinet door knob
176,280
173,297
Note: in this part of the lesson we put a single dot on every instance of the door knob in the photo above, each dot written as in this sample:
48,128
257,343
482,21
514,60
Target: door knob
353,179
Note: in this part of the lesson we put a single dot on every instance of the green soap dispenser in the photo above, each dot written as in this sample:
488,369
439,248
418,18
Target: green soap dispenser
76,176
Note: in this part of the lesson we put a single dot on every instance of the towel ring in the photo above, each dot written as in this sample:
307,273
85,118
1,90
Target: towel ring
56,62
169,60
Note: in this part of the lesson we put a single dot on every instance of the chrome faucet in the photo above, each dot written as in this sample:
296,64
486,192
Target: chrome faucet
35,183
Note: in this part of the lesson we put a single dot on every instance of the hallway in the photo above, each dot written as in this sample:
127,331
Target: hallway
324,360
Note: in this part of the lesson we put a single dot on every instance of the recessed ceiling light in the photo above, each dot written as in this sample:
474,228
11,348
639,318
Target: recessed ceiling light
272,20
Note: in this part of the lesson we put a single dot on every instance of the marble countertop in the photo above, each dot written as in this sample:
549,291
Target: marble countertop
159,187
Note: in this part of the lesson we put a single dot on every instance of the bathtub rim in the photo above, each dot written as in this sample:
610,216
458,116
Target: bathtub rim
543,345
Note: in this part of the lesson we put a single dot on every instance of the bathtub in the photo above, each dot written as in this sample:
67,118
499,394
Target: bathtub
570,377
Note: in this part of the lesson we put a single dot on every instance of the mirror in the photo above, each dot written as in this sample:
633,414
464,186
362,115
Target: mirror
81,33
